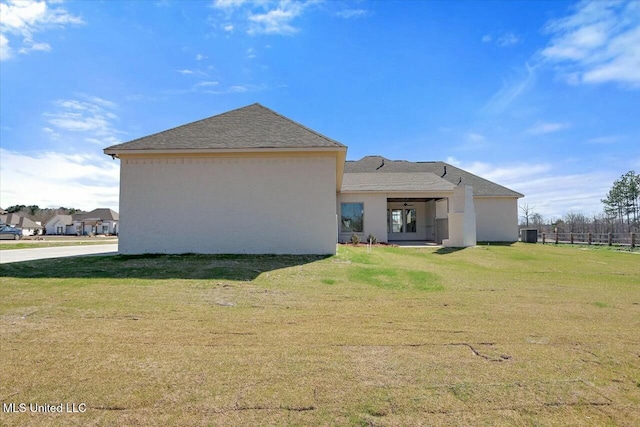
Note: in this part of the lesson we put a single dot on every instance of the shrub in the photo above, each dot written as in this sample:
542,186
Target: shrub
372,239
355,239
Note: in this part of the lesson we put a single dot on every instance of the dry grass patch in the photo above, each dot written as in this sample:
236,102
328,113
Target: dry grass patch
497,335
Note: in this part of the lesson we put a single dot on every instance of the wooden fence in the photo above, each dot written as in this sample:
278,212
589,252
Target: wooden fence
610,239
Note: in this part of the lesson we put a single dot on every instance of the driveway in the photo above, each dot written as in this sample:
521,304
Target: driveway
19,255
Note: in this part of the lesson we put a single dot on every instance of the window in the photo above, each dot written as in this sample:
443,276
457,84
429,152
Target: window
105,229
352,219
396,221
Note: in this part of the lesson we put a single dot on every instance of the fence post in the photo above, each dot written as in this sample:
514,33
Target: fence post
633,240
571,238
589,238
544,235
610,239
556,237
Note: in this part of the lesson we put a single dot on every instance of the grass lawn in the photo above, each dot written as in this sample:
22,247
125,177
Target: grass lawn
492,335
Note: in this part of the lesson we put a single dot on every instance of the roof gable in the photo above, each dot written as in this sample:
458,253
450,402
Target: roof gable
250,127
454,175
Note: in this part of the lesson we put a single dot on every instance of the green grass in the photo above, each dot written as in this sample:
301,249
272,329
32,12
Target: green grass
491,335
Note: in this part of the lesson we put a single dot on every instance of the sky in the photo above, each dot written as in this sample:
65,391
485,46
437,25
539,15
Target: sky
540,96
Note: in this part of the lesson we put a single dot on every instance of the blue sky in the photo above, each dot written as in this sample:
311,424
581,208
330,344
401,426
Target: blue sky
543,97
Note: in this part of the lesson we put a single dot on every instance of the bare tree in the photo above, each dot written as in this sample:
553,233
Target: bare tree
527,211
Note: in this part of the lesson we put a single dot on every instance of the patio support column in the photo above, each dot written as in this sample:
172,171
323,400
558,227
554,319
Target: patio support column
462,219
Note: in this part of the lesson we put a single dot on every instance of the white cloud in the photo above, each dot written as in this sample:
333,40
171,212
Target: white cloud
5,50
90,117
276,21
238,89
475,137
51,179
511,90
507,39
43,47
598,43
271,17
185,71
229,4
206,84
24,18
503,39
200,57
547,187
542,128
352,13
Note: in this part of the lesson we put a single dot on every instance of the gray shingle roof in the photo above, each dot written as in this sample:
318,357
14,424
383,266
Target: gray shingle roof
254,126
380,165
18,221
401,181
103,214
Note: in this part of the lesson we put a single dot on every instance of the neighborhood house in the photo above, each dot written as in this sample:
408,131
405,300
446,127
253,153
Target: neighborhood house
24,224
253,181
98,221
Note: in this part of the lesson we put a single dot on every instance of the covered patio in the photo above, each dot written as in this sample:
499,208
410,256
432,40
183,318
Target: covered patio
421,208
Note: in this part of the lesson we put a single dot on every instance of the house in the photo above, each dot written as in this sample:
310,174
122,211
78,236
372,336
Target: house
98,221
416,199
60,225
253,181
28,227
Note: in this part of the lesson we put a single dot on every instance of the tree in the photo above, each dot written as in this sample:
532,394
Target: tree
537,221
527,211
623,200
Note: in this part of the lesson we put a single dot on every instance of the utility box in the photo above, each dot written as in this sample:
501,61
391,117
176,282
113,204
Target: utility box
529,235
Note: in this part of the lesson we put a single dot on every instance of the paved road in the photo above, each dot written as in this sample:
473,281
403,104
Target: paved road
18,255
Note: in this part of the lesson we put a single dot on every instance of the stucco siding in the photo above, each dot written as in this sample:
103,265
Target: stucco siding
375,215
496,219
279,205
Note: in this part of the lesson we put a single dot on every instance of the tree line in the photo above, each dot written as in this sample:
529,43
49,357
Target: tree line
620,214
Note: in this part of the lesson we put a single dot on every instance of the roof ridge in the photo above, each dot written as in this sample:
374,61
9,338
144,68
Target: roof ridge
298,124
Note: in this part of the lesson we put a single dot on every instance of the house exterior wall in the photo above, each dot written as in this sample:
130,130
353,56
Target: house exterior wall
496,219
52,226
375,215
221,204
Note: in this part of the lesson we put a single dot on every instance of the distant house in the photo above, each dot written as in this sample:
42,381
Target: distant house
61,225
253,181
98,221
28,227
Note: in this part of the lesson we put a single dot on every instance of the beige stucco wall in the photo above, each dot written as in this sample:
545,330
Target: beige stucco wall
496,219
375,214
244,204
